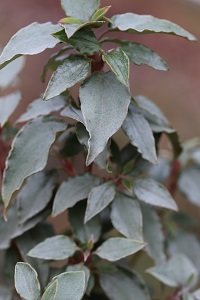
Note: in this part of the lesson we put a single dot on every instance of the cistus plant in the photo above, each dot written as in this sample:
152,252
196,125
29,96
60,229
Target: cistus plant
122,218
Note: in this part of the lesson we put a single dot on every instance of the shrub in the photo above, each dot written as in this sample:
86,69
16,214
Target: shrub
119,199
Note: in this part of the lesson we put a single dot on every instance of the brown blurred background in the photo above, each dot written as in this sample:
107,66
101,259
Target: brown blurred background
177,92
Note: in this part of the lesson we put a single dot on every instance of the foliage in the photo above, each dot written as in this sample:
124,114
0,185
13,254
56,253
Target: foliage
119,199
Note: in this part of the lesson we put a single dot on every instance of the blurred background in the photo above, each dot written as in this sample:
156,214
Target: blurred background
177,91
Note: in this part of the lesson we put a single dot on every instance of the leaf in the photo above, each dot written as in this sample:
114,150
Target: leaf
140,134
30,40
178,271
9,74
50,292
189,184
153,192
70,192
8,104
73,113
142,55
67,74
82,9
114,249
118,286
71,145
30,239
98,199
119,64
54,248
83,40
181,243
153,115
84,232
153,235
26,281
126,216
22,163
100,13
104,100
35,194
134,23
41,108
71,285
71,29
80,267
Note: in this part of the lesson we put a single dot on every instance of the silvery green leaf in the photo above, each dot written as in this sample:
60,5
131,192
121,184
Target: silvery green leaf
81,9
50,292
98,199
54,248
114,249
142,55
134,23
126,216
103,100
140,134
177,271
26,281
9,74
71,285
32,158
68,73
70,192
39,107
154,193
8,104
30,40
119,64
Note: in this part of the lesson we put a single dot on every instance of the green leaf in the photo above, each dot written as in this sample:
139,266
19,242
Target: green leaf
50,292
41,108
189,184
153,192
5,293
72,191
71,145
134,23
126,216
83,41
9,74
71,29
30,40
8,104
118,286
30,239
117,248
140,134
70,20
153,234
153,115
22,163
181,243
26,281
54,248
84,232
81,9
142,55
71,285
178,271
35,194
98,199
73,113
70,72
100,13
80,267
119,64
104,100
